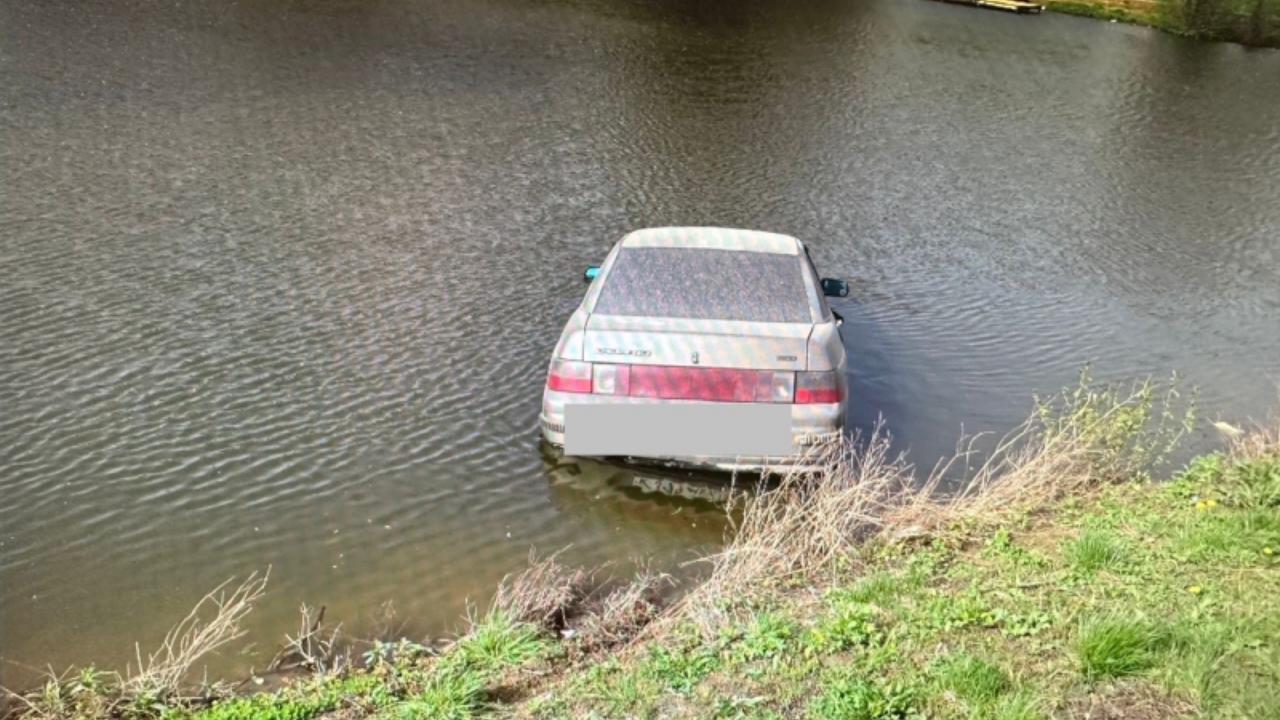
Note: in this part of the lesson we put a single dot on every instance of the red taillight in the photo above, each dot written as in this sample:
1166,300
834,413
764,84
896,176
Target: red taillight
694,383
686,383
814,388
569,376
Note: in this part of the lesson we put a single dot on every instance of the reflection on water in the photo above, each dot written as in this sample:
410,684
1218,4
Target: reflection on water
703,492
278,280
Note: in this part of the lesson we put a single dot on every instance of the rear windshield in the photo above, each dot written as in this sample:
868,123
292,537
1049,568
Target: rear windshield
705,284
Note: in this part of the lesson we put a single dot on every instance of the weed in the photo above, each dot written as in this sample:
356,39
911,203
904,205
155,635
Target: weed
766,637
848,624
740,708
1254,483
854,698
1203,471
1020,624
953,611
682,669
1001,546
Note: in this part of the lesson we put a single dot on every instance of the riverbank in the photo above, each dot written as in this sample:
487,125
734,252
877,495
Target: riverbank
1061,581
1248,22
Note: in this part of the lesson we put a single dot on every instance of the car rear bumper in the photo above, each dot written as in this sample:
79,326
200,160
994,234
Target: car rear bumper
811,426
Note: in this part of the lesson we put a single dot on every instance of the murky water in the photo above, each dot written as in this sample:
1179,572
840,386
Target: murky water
278,280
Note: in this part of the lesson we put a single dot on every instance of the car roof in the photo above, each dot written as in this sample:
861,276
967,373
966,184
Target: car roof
713,238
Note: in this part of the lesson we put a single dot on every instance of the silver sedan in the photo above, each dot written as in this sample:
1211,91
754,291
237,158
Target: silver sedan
700,346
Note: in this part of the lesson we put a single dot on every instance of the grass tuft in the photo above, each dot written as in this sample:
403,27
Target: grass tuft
444,696
497,642
1115,646
1095,550
974,680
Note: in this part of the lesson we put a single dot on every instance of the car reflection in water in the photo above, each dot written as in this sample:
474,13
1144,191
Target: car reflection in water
669,505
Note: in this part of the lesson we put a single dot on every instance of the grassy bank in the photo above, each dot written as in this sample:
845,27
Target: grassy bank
1060,581
1250,22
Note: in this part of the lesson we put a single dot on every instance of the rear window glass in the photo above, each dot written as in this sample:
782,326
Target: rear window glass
705,284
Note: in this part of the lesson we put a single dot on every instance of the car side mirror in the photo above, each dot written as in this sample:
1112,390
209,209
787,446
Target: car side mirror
833,287
591,273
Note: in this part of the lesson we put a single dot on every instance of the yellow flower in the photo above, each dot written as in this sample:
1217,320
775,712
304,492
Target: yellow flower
1210,503
1194,589
1268,551
1201,506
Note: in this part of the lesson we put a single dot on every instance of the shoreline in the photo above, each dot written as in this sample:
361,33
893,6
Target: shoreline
1251,23
1064,580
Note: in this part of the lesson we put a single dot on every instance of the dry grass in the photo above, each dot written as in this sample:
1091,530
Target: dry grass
620,614
162,675
590,614
1260,443
165,670
311,649
544,594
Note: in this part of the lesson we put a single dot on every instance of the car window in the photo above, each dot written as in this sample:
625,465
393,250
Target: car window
705,284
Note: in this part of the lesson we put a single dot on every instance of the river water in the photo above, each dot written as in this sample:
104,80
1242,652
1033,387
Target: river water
278,280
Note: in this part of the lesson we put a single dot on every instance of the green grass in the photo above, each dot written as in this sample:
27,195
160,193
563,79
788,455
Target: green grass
405,687
443,696
680,669
496,642
974,680
768,636
851,697
1095,550
847,624
1112,647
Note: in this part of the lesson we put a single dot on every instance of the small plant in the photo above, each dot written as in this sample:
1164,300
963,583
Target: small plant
974,680
848,625
737,708
1203,471
1128,431
952,612
680,670
621,692
1254,483
855,698
385,653
1112,647
1021,624
767,637
1095,550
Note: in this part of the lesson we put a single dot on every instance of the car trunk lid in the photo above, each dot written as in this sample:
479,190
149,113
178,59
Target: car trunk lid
684,342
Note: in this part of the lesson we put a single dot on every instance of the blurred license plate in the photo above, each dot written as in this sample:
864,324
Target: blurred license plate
674,430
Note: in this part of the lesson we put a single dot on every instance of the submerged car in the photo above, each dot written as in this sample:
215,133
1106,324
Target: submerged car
700,346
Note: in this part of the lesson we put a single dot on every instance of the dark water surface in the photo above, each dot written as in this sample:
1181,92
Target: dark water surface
278,280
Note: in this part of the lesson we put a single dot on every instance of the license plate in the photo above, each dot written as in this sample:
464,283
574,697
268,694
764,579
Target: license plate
679,430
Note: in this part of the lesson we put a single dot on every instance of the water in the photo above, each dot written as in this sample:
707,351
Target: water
279,280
